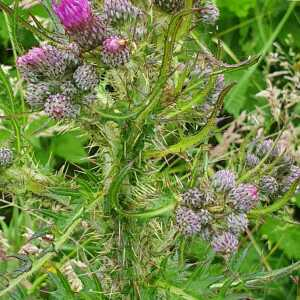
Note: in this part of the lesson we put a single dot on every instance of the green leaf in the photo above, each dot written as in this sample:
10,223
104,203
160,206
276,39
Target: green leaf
190,141
287,236
240,8
70,146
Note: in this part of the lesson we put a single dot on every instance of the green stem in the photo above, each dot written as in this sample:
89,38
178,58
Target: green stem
11,97
155,95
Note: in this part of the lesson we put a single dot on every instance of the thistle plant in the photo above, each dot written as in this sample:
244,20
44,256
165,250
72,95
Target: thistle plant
119,212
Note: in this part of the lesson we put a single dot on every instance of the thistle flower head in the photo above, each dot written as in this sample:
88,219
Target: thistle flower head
114,44
59,106
43,62
6,157
237,223
225,243
268,185
204,216
251,160
223,180
287,181
81,24
188,222
33,57
170,6
86,77
37,93
244,197
115,10
196,198
72,54
73,13
209,13
115,51
267,147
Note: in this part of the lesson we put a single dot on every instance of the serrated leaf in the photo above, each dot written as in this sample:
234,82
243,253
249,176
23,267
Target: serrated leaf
287,236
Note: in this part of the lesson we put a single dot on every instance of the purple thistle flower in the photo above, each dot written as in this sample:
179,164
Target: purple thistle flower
43,62
73,13
115,51
37,93
209,13
80,23
252,160
205,216
244,197
115,10
187,221
289,179
225,243
196,198
86,77
223,181
6,157
59,106
268,185
170,5
237,223
72,54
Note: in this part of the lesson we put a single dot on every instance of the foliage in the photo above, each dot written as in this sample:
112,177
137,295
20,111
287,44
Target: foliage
88,205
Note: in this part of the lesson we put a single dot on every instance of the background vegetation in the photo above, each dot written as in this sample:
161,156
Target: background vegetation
56,186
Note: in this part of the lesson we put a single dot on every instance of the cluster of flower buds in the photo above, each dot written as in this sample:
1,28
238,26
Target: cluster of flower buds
208,12
90,30
57,80
278,164
6,157
218,211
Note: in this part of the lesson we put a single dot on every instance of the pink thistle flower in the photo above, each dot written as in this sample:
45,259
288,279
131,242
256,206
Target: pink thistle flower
73,13
115,51
80,23
38,63
59,106
244,197
33,57
225,243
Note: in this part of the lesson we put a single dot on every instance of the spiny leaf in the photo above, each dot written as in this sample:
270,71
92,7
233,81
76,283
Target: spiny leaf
194,140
